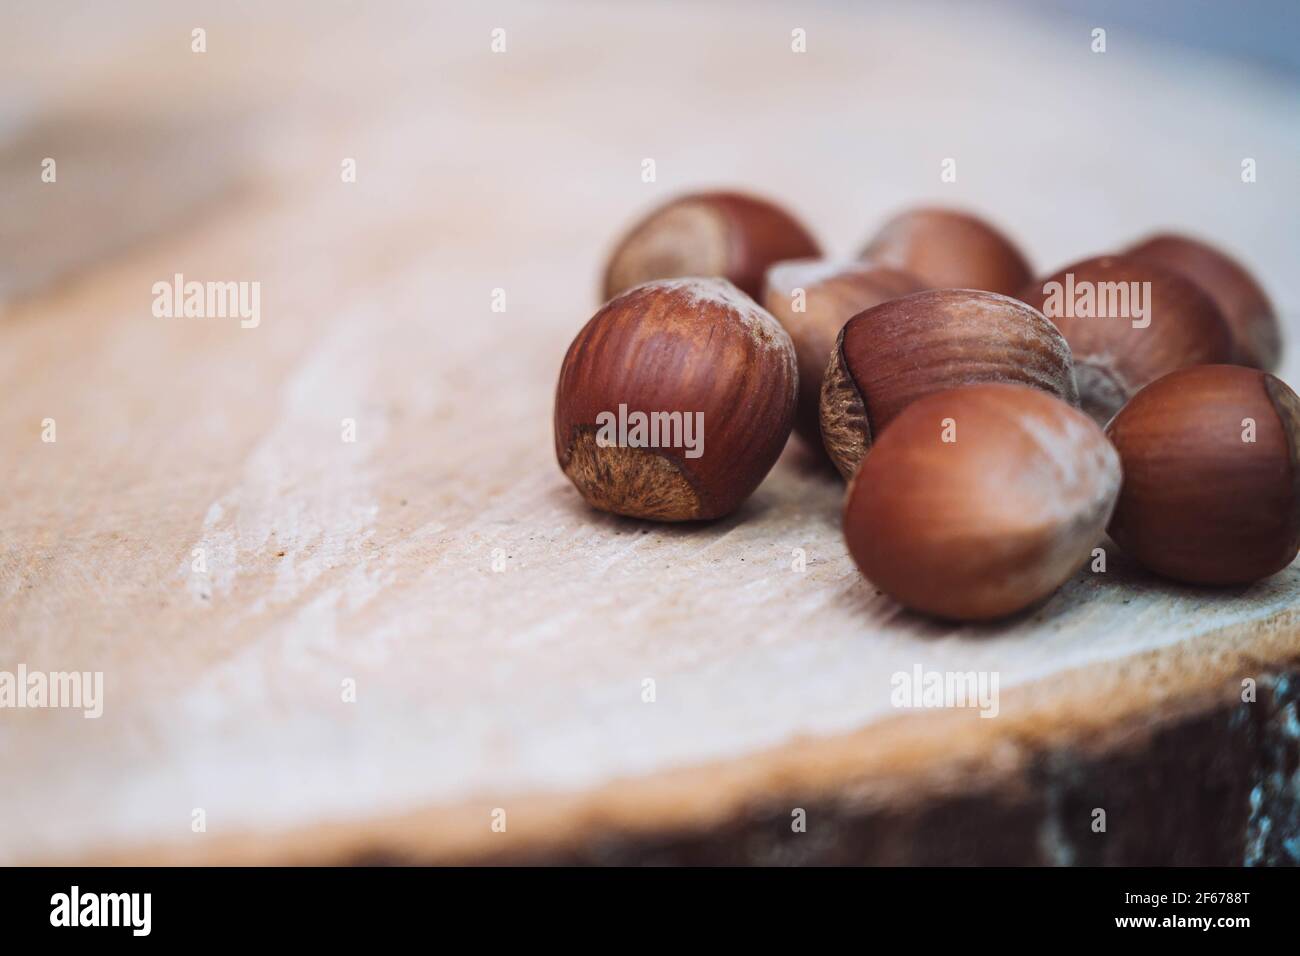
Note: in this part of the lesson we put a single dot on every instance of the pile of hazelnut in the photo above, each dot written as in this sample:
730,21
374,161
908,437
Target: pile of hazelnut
992,427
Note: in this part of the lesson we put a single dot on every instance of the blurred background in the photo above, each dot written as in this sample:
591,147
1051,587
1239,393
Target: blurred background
1256,34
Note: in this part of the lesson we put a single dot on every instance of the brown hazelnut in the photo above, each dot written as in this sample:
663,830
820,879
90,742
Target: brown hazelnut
721,234
1257,340
832,293
1128,321
675,400
950,250
1211,475
979,501
890,355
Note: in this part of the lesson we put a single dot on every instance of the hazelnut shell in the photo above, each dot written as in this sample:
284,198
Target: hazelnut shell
833,293
1200,504
947,249
890,355
1256,337
1113,357
724,234
990,522
687,346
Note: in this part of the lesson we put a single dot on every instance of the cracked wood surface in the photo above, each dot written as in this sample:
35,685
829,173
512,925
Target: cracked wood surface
372,561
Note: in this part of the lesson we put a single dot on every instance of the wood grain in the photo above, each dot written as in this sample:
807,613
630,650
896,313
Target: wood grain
372,561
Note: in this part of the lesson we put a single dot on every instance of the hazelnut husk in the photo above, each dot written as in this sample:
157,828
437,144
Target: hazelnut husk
1119,347
978,502
724,234
1211,489
1256,337
890,355
833,292
698,348
947,249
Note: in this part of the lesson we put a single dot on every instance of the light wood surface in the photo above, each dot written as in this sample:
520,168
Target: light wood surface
372,561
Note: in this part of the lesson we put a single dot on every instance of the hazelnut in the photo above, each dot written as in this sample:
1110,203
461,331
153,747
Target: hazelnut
950,250
833,292
1211,475
979,501
890,355
675,400
721,234
1128,321
1257,340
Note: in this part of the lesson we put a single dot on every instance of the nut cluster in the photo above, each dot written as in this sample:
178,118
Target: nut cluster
963,401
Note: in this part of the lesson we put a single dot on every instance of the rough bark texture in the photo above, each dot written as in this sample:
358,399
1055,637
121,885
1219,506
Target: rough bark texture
1215,788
